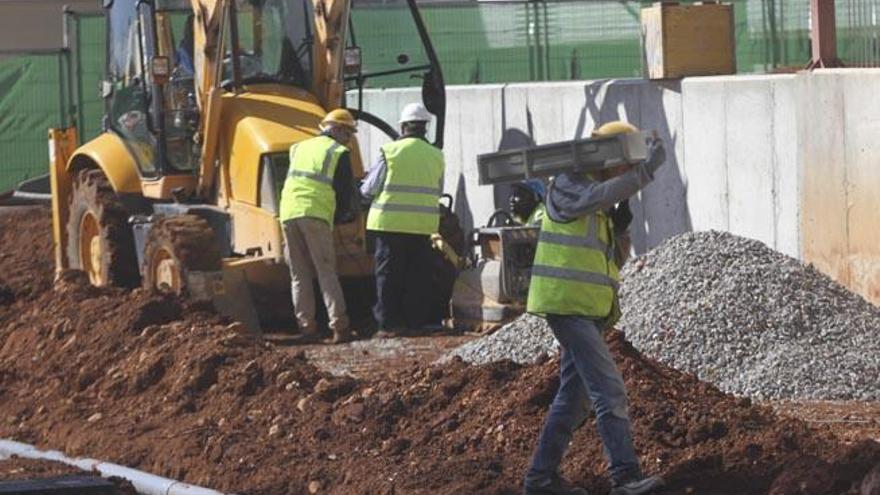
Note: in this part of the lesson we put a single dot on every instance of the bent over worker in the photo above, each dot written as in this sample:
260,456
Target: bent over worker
319,188
405,185
574,286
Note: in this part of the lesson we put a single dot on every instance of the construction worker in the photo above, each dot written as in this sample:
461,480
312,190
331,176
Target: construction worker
526,202
318,190
574,286
404,185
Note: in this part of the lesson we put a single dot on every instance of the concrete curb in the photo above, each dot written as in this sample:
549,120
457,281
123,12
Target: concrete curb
144,483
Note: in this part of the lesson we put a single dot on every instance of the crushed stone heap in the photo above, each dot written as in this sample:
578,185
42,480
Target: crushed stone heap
751,320
525,340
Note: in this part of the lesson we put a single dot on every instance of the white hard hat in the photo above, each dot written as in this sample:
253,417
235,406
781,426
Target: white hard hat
414,112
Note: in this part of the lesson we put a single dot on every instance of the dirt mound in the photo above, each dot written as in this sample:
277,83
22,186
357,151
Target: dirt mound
153,383
26,259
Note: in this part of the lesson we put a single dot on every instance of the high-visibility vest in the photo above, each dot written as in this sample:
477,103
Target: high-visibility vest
574,271
308,189
536,216
407,202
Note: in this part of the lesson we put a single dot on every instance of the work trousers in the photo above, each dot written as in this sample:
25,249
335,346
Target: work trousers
403,280
587,375
310,254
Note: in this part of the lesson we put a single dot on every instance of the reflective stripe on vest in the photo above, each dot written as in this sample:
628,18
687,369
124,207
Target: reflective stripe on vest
407,202
308,189
573,272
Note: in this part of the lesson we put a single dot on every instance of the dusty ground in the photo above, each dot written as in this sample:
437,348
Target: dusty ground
153,383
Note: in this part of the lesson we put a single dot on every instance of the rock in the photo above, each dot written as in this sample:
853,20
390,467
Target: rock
95,418
314,486
303,403
333,388
274,430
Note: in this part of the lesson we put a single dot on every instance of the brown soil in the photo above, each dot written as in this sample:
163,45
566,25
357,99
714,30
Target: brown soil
173,389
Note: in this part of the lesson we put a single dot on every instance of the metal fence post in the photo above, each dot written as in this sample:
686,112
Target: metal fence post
823,35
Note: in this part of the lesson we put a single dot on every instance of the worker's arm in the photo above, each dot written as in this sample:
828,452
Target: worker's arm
343,186
572,196
375,179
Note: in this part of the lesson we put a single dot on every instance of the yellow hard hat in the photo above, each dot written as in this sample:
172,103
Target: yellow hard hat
614,128
340,116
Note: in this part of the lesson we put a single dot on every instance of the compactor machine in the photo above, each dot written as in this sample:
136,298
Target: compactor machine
203,99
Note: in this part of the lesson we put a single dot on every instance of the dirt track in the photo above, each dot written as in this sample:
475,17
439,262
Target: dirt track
152,383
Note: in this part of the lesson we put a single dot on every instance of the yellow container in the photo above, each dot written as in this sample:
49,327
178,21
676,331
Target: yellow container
688,40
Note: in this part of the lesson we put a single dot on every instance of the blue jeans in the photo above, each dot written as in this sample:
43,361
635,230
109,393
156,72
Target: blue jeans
587,375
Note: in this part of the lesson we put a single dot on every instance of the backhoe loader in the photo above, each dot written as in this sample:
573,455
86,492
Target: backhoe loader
203,99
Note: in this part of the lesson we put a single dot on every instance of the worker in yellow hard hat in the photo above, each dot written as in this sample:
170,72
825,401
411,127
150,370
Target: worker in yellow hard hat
319,192
574,287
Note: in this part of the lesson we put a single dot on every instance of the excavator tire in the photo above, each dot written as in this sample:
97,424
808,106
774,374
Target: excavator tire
176,246
100,240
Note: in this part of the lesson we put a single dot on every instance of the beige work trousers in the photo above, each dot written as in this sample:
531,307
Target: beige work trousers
310,253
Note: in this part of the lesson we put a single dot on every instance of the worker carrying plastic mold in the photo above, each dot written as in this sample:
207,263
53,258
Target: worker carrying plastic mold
319,190
404,186
526,202
574,286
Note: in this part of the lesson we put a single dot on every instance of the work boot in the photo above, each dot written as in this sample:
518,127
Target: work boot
636,485
342,336
551,486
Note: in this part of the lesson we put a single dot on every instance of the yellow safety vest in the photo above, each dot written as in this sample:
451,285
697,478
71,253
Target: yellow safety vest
574,271
308,189
408,200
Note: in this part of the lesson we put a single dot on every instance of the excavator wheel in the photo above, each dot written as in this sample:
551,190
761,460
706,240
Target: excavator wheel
100,240
176,246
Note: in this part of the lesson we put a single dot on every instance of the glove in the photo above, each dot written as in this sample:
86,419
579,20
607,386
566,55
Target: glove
656,155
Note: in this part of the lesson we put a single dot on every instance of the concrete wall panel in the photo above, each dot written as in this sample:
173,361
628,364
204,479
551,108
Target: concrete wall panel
704,105
750,164
661,207
823,193
787,158
862,176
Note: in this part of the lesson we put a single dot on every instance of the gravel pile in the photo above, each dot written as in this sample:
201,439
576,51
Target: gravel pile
751,320
734,312
525,340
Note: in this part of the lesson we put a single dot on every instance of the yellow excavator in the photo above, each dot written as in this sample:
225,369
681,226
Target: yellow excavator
203,99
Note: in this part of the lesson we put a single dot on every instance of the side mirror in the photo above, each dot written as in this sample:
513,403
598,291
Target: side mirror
160,68
108,4
433,94
352,61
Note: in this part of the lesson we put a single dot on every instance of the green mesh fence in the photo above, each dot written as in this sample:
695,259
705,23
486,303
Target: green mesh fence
31,102
92,47
477,42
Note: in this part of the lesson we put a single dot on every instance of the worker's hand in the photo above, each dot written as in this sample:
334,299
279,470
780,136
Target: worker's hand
656,155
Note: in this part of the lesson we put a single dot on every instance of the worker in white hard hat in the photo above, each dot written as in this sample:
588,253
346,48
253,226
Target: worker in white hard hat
404,186
319,192
574,287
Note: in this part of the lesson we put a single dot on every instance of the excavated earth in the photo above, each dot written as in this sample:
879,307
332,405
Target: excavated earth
153,383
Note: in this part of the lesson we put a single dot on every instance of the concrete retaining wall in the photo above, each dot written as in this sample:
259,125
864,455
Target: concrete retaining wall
790,160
